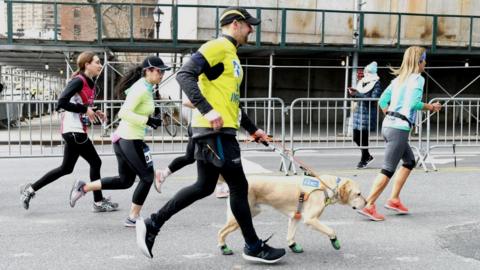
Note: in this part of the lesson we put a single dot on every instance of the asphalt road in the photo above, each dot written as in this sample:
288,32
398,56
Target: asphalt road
442,231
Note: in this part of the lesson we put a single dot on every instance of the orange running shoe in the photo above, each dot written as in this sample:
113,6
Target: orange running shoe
397,206
371,213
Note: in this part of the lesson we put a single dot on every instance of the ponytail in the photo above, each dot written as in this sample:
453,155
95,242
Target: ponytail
128,80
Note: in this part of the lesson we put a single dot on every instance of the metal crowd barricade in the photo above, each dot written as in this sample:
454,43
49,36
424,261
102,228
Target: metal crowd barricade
320,124
267,114
455,127
33,129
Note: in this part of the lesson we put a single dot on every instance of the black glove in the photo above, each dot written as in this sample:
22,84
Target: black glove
154,122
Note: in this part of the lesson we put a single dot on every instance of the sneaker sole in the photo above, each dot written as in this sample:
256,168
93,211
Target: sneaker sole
104,211
129,225
370,162
256,259
396,210
157,188
24,204
141,231
72,200
369,216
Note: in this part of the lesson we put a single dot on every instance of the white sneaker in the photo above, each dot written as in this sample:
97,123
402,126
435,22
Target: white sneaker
222,191
160,177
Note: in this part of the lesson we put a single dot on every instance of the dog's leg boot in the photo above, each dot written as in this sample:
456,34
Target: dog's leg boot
335,243
226,250
296,248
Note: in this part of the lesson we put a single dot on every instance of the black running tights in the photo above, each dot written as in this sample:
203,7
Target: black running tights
131,162
204,186
184,160
76,144
360,137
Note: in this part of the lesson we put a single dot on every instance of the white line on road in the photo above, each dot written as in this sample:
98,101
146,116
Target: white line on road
199,256
445,160
252,167
123,257
407,259
24,254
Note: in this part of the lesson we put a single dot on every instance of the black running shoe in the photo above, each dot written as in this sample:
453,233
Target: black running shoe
26,195
264,254
145,236
106,205
364,163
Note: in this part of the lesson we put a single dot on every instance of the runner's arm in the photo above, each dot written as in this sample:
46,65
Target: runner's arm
74,86
187,77
246,123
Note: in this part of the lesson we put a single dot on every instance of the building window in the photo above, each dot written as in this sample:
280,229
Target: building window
76,13
146,12
146,33
77,30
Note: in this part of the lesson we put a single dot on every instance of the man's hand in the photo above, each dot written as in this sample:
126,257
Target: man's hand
215,119
261,136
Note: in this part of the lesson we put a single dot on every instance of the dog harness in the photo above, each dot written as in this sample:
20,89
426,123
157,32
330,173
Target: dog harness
309,185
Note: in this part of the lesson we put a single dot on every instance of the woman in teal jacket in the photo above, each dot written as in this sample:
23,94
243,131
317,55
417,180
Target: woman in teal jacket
400,101
133,155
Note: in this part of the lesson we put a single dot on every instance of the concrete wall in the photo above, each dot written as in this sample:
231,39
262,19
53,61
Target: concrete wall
378,29
292,83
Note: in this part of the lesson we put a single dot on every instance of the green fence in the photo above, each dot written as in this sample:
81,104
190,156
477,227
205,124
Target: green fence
110,24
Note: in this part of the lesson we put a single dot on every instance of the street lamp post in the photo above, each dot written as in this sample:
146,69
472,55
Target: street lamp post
157,13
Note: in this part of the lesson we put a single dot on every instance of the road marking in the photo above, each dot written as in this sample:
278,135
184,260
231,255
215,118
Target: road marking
24,254
445,160
253,167
50,221
123,257
196,256
407,259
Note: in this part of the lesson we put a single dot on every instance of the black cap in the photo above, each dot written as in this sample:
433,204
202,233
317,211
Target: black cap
155,62
237,13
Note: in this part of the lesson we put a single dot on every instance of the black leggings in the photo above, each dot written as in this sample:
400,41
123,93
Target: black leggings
360,137
184,160
205,185
76,144
131,162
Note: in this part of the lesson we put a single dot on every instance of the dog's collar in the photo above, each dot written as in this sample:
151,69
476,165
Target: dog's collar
331,199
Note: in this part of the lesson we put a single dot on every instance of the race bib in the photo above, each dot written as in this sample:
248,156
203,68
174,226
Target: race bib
311,182
148,156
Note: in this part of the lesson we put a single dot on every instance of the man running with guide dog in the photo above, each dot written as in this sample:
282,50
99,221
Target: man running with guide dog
211,79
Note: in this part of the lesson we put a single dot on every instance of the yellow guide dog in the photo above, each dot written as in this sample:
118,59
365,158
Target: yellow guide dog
300,198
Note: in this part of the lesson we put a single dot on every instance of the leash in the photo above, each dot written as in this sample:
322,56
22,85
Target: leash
287,155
